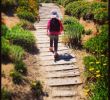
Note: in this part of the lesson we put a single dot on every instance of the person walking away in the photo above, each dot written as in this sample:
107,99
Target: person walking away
54,29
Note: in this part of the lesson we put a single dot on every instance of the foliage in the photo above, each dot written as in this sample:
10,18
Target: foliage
16,53
97,82
72,31
28,10
4,29
24,14
22,37
6,95
101,15
37,88
16,77
20,67
5,47
99,43
66,2
26,25
88,32
87,10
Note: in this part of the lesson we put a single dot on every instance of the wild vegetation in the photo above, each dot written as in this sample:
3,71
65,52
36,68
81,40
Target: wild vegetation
18,41
96,65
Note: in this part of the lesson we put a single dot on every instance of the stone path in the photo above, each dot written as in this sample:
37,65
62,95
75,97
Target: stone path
62,77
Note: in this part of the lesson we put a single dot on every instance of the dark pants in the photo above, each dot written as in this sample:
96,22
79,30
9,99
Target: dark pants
54,40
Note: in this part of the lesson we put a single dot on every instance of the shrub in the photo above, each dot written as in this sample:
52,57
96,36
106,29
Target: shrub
22,37
96,70
88,32
5,47
37,88
4,29
26,25
87,10
16,53
73,31
28,10
66,2
101,15
24,14
99,43
6,95
21,67
16,77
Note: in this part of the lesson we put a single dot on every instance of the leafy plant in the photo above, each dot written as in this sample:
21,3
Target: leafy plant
26,25
99,43
28,10
6,95
37,88
21,37
96,70
101,15
4,29
21,67
5,47
73,31
16,77
88,32
16,53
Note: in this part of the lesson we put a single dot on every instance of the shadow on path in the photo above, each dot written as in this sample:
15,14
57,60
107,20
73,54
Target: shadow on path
65,57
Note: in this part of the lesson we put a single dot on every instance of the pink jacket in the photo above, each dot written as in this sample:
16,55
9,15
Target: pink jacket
54,33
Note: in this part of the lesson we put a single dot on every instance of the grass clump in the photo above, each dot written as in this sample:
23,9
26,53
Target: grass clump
73,31
16,77
5,94
37,88
21,67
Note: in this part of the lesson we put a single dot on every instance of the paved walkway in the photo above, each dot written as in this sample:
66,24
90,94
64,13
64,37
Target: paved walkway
62,77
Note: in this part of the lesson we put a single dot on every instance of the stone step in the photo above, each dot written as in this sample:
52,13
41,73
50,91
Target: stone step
60,68
63,93
60,62
64,81
62,74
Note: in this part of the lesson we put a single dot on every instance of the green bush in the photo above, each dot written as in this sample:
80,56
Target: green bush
66,2
88,32
5,47
16,53
73,31
76,8
101,15
24,14
4,29
28,10
5,95
16,77
96,70
87,10
26,25
22,37
99,43
21,67
37,88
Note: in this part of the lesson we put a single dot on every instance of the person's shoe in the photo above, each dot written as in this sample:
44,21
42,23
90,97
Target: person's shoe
56,55
51,49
